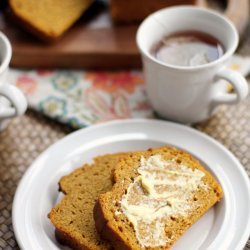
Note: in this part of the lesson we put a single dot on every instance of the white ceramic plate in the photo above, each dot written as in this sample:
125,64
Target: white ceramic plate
226,226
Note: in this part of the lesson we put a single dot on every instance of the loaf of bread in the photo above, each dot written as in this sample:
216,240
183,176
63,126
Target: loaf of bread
158,194
135,10
73,215
47,19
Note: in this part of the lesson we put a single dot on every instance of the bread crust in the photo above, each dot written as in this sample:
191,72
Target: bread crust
105,231
29,28
65,239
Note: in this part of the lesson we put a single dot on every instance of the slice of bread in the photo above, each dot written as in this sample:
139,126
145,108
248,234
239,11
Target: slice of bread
134,11
158,194
47,19
73,215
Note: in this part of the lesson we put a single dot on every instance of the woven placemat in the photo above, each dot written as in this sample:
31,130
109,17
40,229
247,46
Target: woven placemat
26,137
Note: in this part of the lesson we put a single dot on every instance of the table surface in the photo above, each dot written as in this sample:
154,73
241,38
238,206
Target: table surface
27,136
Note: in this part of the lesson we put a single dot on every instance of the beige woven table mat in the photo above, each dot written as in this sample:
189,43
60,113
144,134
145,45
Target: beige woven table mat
26,137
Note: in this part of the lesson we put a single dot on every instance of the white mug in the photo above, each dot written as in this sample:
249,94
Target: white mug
12,101
189,94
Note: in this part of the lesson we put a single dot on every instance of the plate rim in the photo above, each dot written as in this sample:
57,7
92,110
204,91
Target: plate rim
30,169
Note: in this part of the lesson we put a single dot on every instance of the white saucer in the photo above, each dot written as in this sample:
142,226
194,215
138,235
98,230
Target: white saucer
225,227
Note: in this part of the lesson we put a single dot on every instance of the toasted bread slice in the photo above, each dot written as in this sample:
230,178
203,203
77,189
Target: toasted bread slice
157,196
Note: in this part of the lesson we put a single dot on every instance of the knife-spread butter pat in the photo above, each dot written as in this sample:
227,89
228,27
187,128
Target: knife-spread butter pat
163,189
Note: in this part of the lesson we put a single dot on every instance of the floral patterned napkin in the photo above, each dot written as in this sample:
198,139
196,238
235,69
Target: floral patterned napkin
81,98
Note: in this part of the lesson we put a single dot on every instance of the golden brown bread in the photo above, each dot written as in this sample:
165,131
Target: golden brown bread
47,19
73,215
135,10
137,214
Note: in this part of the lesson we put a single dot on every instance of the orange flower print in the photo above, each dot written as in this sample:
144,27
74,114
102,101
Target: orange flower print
114,81
26,84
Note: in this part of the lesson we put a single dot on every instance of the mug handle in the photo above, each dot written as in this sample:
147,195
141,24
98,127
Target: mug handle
16,98
240,87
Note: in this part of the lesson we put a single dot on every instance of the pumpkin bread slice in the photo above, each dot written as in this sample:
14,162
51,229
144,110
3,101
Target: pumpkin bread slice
158,194
47,19
73,215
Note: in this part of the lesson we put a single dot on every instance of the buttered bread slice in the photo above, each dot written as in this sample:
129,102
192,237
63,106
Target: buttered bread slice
157,196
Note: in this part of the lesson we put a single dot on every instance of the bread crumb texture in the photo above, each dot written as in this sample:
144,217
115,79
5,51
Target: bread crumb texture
158,194
73,215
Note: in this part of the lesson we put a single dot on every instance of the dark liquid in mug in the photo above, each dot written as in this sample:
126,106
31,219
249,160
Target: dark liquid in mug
188,48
